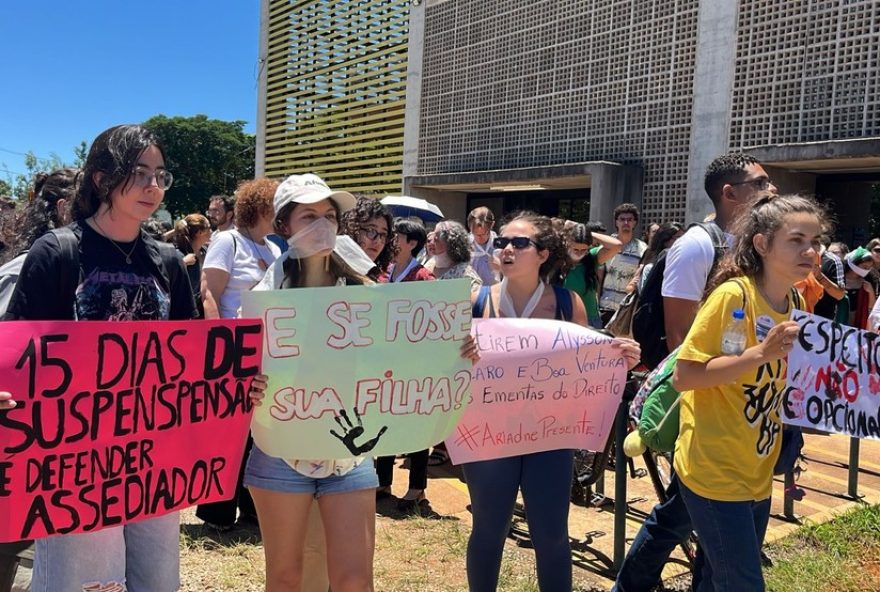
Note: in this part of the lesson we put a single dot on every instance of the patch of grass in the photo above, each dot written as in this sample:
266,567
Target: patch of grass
840,555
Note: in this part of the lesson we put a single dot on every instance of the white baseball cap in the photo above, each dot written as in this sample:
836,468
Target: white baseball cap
309,189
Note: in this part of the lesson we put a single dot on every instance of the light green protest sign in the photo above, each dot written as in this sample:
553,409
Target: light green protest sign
361,370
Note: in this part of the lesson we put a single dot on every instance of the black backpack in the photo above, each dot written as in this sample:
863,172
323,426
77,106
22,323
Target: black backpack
648,325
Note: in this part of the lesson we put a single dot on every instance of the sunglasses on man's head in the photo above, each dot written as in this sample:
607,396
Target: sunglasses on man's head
518,242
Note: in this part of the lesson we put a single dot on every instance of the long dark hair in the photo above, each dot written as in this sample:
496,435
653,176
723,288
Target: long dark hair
41,213
658,242
579,233
114,154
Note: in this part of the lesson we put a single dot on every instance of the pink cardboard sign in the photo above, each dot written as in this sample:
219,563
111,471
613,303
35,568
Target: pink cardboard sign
540,385
118,422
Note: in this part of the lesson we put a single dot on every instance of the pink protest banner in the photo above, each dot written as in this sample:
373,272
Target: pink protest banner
118,422
833,379
540,385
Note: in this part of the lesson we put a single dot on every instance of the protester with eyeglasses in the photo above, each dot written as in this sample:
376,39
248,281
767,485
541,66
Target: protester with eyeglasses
622,267
123,274
530,252
450,251
369,224
410,237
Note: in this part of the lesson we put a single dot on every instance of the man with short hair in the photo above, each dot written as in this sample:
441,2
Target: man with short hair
622,267
480,222
732,182
221,212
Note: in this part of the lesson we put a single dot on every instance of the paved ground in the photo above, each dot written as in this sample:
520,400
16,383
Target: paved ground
825,482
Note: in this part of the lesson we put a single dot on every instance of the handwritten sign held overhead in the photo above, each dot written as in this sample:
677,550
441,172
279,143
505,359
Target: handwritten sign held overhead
361,370
833,379
540,385
117,422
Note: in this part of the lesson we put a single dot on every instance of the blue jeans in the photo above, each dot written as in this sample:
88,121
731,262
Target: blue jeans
731,535
142,556
667,526
545,478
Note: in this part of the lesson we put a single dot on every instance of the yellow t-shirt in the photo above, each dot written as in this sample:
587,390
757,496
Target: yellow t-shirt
731,434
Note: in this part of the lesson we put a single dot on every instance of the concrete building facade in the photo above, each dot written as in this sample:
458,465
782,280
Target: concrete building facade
571,107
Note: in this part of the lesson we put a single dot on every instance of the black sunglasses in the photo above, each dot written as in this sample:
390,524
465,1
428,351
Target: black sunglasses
518,242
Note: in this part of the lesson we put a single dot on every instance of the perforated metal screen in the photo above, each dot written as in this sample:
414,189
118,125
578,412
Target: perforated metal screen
336,89
523,83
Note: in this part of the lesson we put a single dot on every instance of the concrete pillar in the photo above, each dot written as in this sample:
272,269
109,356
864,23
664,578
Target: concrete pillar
412,118
713,92
262,82
611,185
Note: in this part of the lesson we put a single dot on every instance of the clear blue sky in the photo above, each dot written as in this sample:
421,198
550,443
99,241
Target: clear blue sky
72,68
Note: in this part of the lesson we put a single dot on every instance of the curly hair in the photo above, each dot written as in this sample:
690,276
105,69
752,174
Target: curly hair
41,214
185,232
455,236
765,217
547,238
365,210
730,168
253,200
626,208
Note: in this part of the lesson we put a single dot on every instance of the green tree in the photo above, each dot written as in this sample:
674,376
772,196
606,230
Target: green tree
80,153
206,157
24,184
5,189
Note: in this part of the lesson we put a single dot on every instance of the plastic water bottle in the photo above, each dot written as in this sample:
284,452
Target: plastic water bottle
733,340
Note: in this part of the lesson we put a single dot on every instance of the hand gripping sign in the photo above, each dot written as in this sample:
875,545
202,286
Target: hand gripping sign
540,385
122,421
361,370
833,379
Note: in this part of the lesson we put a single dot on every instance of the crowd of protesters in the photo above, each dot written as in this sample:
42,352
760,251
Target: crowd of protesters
317,518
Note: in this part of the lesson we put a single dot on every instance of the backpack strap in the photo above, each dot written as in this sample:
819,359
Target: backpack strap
168,253
564,306
719,241
70,272
479,306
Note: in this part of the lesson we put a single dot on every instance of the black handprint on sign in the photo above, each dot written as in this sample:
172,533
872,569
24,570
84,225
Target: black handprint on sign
351,432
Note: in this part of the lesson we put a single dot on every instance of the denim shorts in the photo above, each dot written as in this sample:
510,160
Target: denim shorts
268,472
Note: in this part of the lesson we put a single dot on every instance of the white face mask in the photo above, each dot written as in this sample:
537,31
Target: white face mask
442,260
319,237
576,258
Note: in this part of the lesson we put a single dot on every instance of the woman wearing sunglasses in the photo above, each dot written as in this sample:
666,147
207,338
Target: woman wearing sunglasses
530,251
123,274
